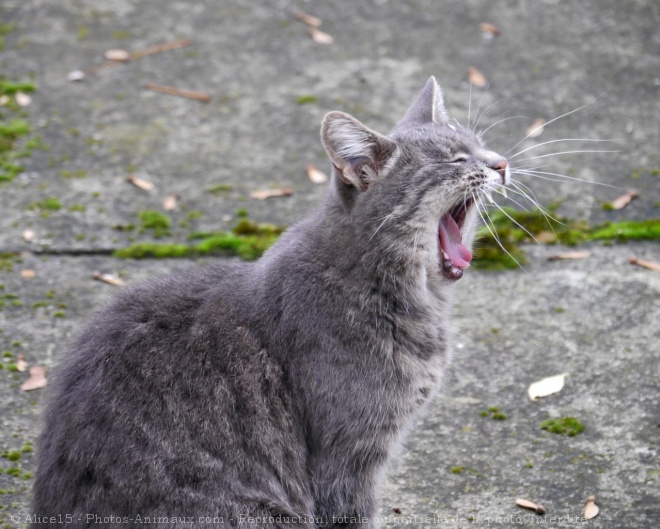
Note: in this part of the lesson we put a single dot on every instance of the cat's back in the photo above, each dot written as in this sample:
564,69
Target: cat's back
155,406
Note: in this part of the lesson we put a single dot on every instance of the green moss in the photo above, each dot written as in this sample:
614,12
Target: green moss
8,354
493,409
248,240
83,32
121,34
156,221
50,294
456,470
305,99
499,416
564,425
27,475
628,230
220,188
483,413
12,368
14,471
241,213
10,88
13,455
78,173
59,314
49,204
77,207
27,448
558,310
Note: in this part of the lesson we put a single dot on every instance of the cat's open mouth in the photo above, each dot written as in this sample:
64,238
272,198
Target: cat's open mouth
454,255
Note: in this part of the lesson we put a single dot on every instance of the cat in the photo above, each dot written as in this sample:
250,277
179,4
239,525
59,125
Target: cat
274,393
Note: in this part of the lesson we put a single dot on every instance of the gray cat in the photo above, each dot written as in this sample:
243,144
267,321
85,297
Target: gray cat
273,394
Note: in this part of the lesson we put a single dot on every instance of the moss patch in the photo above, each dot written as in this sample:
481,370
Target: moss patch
506,225
13,130
157,222
249,240
563,426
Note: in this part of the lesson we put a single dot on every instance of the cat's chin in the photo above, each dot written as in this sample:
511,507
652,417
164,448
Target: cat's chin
454,255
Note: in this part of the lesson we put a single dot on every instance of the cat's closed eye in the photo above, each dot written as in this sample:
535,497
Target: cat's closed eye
459,158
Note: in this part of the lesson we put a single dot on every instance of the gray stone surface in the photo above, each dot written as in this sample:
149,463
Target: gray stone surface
255,60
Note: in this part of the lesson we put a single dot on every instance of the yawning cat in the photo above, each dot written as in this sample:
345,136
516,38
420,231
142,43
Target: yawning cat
274,393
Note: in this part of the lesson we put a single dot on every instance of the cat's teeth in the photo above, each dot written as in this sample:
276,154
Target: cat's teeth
489,195
503,191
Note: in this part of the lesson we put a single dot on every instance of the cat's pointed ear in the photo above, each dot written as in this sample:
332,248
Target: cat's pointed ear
359,154
428,107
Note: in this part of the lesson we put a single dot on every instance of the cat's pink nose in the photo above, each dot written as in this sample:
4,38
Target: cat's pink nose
500,166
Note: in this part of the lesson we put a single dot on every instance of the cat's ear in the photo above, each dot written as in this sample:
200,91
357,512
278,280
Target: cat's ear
428,107
359,154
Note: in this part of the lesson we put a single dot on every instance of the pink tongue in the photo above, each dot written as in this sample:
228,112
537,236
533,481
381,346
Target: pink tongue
451,243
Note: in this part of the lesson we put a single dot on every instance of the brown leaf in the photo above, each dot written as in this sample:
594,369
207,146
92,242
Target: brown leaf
263,194
172,91
490,29
320,37
21,364
28,274
170,202
649,265
117,55
625,199
545,237
537,507
476,78
536,128
145,185
110,279
37,379
310,20
28,235
22,99
570,255
316,176
590,508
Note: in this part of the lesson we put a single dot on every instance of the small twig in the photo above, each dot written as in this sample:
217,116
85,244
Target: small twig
170,90
649,265
160,48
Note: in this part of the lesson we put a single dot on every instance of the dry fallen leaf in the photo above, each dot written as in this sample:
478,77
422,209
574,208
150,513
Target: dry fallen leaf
580,254
22,99
625,199
310,20
263,194
545,237
28,235
649,265
536,128
117,55
145,185
4,99
590,508
316,176
21,364
320,37
37,379
546,386
476,78
28,274
170,202
489,29
110,279
76,75
537,507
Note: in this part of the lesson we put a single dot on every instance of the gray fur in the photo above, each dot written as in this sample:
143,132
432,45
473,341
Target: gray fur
279,388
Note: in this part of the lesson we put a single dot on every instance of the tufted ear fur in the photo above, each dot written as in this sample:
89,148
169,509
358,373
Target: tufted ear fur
359,154
428,107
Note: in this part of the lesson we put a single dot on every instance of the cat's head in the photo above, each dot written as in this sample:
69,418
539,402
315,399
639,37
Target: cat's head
415,190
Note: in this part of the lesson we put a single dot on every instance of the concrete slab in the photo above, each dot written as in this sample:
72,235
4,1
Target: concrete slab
256,61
